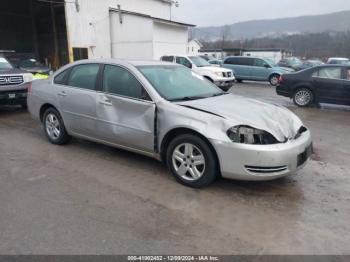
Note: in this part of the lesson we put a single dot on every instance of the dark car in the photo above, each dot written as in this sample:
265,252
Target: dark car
291,62
321,84
33,66
14,84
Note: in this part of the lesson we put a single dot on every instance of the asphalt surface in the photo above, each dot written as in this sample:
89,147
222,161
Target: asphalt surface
86,198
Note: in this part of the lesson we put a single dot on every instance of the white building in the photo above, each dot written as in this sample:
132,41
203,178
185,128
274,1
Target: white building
126,29
275,54
193,47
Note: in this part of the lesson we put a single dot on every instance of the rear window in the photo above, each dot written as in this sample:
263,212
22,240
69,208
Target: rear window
330,73
168,59
61,78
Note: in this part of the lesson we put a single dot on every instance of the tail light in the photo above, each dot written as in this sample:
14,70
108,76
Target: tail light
29,88
280,80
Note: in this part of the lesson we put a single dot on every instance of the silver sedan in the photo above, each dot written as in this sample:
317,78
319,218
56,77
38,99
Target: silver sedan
167,112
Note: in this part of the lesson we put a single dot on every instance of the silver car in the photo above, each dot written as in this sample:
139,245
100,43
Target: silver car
167,112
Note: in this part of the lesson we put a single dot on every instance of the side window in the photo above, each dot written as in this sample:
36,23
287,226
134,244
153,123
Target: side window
119,81
61,78
183,61
248,61
232,61
168,59
84,76
330,73
259,62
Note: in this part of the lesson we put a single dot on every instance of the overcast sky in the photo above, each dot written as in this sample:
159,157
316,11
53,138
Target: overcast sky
221,12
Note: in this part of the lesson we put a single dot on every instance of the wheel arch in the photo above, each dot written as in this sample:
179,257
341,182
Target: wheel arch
181,131
43,108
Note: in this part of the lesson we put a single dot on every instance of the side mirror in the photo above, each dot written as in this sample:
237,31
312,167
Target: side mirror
190,66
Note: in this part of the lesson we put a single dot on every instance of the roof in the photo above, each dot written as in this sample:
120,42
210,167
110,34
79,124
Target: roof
152,17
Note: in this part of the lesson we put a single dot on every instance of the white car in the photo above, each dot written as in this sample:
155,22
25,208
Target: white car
338,61
222,77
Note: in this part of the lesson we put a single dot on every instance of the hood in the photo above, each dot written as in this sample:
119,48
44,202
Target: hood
13,71
278,121
37,69
215,69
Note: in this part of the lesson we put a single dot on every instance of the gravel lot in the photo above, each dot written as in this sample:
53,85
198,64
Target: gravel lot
85,198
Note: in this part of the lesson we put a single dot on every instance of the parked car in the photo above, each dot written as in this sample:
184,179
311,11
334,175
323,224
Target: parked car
167,112
13,84
310,63
291,62
223,78
321,84
33,66
215,62
207,57
255,69
338,61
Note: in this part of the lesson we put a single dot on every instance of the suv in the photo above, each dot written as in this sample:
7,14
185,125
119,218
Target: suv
14,84
223,78
255,69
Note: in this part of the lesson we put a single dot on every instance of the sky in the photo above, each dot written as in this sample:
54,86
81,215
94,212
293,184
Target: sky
222,12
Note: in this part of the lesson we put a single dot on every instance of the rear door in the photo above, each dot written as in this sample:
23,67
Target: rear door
241,66
329,84
125,112
77,98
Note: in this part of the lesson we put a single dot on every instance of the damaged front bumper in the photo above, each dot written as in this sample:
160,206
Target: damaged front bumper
263,162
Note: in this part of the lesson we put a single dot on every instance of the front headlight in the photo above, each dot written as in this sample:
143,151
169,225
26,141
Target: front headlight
27,78
249,135
219,74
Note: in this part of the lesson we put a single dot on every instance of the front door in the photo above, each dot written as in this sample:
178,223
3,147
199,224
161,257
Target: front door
260,70
77,99
329,84
125,113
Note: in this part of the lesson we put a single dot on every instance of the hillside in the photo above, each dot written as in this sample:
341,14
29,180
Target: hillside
334,22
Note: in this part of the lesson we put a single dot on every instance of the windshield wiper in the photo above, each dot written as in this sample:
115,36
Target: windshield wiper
188,98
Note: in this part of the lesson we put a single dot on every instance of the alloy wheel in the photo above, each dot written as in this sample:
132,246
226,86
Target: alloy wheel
188,162
53,127
303,97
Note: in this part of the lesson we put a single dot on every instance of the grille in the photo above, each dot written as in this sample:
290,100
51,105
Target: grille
266,170
226,74
11,80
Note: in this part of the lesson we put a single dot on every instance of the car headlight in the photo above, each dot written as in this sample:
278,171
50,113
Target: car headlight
219,74
27,78
249,135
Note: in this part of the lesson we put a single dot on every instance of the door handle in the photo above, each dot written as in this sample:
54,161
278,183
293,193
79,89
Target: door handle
63,94
106,102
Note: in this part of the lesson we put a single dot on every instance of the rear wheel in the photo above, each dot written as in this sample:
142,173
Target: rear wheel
274,79
239,80
192,161
54,127
303,97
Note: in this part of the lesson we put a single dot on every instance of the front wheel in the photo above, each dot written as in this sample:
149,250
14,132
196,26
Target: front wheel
303,97
191,161
274,79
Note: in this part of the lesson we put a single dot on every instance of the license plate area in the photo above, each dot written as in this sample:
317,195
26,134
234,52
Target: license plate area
12,96
303,157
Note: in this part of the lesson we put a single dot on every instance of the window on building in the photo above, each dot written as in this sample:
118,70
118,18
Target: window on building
80,53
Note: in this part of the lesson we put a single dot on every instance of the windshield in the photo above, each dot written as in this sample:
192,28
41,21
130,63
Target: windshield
198,61
295,61
28,63
176,83
4,64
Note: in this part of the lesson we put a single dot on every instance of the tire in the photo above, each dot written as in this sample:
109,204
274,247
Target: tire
303,97
184,167
54,127
239,80
274,79
24,105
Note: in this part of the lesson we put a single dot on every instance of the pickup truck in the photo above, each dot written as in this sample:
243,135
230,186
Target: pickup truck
14,84
222,77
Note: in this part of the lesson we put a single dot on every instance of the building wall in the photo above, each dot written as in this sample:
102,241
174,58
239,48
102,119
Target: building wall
169,39
90,27
193,48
